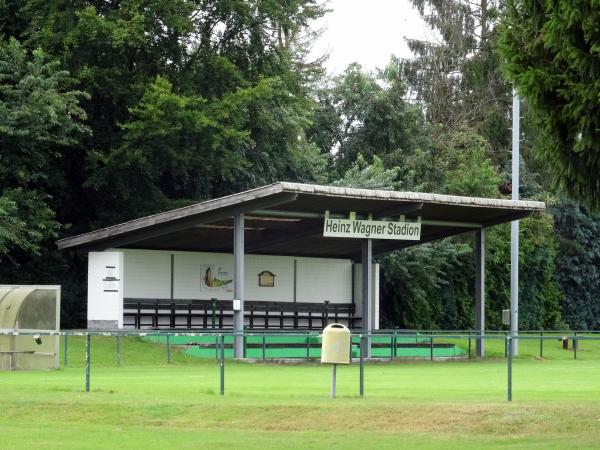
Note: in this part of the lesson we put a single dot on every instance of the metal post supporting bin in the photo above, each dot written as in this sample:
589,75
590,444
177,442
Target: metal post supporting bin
335,348
509,366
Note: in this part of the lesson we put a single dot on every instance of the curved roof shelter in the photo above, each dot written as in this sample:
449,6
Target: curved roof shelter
31,309
287,219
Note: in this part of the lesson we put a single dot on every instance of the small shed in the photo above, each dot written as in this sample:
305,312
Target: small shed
27,315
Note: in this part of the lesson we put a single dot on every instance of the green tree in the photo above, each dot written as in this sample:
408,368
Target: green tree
540,296
369,176
209,50
550,52
577,264
26,223
40,122
359,112
456,76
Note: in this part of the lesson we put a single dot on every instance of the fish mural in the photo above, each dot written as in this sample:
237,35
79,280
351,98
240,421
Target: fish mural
215,278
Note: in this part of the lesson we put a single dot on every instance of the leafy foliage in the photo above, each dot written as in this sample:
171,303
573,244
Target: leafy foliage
41,120
551,54
456,75
578,264
359,112
26,222
369,176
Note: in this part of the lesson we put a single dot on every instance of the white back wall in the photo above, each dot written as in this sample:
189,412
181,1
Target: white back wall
281,266
321,279
317,279
148,274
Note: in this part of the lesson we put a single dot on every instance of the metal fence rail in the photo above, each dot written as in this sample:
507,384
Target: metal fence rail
220,336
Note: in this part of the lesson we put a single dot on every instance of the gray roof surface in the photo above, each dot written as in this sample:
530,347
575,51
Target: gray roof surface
207,226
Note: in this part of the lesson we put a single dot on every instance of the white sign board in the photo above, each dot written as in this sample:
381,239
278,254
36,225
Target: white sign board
373,229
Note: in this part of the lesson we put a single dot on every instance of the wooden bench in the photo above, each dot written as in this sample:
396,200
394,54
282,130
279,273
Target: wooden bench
218,314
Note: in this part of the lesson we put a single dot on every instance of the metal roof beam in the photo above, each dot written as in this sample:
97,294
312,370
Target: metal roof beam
282,237
311,215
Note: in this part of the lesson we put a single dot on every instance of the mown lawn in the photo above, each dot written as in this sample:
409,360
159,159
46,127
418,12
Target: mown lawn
146,403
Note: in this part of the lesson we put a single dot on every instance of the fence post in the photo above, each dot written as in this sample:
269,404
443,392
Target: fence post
222,365
575,346
505,348
510,358
326,312
118,352
168,349
307,345
264,347
87,362
66,349
541,344
431,346
362,369
243,344
469,344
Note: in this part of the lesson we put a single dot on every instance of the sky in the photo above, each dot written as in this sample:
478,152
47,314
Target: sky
367,32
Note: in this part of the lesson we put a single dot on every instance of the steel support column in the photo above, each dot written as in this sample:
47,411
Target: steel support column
514,231
367,294
238,287
480,291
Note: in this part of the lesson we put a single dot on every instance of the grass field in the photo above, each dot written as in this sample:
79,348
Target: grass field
146,403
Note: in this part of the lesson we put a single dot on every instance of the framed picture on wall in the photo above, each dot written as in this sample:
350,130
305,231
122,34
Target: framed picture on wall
266,279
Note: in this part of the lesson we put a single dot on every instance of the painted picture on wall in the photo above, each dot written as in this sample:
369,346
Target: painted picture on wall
215,278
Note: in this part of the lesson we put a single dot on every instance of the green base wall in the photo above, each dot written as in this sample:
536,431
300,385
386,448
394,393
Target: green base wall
306,350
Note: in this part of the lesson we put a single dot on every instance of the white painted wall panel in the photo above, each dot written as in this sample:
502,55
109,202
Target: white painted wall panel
281,266
322,279
148,274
